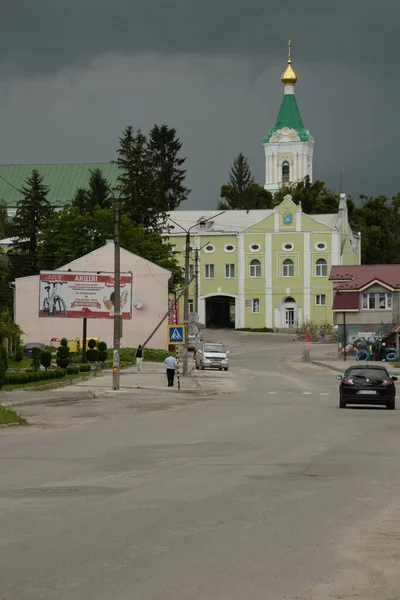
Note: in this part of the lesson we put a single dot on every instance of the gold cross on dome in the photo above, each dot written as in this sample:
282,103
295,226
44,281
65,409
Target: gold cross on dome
289,51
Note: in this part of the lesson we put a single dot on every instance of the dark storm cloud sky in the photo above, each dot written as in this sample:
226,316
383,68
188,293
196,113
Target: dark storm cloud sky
74,73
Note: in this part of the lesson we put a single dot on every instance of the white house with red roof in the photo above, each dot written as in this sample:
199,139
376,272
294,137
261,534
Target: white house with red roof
366,302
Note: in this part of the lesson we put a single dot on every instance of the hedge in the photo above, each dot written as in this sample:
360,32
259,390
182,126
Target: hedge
29,376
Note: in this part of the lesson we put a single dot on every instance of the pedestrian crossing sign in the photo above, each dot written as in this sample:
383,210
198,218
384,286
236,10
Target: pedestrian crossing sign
176,334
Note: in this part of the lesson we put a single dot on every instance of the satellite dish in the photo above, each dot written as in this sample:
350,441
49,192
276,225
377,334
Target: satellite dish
138,303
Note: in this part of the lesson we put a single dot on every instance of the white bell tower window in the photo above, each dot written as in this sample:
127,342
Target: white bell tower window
285,172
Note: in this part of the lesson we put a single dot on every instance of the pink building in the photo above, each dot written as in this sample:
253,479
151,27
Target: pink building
150,285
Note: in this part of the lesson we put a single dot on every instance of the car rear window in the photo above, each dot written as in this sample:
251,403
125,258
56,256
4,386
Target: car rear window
369,373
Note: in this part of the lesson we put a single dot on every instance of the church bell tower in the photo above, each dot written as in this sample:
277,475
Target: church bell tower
288,147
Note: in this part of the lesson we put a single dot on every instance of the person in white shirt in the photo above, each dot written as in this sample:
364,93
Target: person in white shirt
170,364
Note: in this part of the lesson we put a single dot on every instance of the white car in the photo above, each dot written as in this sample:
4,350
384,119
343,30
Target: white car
211,355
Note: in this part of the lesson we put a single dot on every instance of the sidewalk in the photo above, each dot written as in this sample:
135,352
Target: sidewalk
151,379
339,365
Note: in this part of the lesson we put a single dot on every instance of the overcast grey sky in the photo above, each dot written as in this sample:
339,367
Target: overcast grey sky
75,73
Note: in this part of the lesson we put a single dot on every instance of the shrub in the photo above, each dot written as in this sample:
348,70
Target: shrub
72,370
315,329
102,346
36,353
27,377
51,349
155,355
84,368
92,355
45,359
63,357
19,356
3,366
257,329
91,344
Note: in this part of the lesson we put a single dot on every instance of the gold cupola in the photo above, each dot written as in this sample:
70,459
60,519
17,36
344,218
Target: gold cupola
289,77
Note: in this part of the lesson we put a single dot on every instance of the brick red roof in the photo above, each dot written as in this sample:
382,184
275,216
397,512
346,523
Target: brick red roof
358,277
346,301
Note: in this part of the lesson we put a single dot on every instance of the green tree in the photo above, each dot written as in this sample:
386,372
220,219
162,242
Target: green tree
63,358
36,352
93,353
164,147
70,234
98,194
32,211
102,348
136,182
242,193
45,359
315,198
378,220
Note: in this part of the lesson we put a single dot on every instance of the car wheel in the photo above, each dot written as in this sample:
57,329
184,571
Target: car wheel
197,366
342,403
391,405
226,368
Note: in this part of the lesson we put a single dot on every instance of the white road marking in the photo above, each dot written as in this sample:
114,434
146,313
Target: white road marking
307,393
272,393
322,394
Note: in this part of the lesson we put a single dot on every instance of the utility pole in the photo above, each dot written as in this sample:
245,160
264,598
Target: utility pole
117,299
196,280
186,304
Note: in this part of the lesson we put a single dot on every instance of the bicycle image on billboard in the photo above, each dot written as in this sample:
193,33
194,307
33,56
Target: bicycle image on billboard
72,294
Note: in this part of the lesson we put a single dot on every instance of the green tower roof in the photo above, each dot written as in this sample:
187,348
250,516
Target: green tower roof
289,116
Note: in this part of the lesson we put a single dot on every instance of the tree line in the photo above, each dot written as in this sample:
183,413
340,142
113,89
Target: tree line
150,183
377,219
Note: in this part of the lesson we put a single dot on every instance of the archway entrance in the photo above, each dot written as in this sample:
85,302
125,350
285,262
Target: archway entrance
289,318
220,312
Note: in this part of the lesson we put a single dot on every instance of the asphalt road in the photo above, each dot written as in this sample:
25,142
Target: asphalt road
267,493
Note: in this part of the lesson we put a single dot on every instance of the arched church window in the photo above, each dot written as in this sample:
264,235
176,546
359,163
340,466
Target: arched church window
255,268
285,172
288,268
321,268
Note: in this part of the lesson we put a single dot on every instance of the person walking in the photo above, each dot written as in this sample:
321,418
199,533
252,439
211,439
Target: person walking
170,365
322,333
139,357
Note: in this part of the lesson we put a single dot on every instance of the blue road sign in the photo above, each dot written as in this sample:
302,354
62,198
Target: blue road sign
176,334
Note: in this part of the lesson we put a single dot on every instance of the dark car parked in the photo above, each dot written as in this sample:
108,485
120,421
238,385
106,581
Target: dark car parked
28,348
367,384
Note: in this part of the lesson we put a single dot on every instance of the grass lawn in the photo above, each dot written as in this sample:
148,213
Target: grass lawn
33,384
8,416
26,363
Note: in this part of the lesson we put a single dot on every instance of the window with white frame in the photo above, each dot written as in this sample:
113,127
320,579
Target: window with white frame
229,248
209,248
321,268
229,271
254,247
385,300
288,268
255,303
209,271
190,306
369,301
255,268
374,301
320,300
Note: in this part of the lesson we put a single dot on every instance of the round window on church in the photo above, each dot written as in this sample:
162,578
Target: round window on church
229,248
320,246
209,248
288,247
254,247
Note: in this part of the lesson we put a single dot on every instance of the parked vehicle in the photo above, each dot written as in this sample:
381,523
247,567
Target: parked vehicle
212,355
194,341
366,384
28,348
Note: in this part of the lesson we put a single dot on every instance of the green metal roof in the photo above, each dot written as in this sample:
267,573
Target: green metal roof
63,180
289,116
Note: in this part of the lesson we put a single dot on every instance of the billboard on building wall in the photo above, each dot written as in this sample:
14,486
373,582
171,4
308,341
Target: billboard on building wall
83,294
